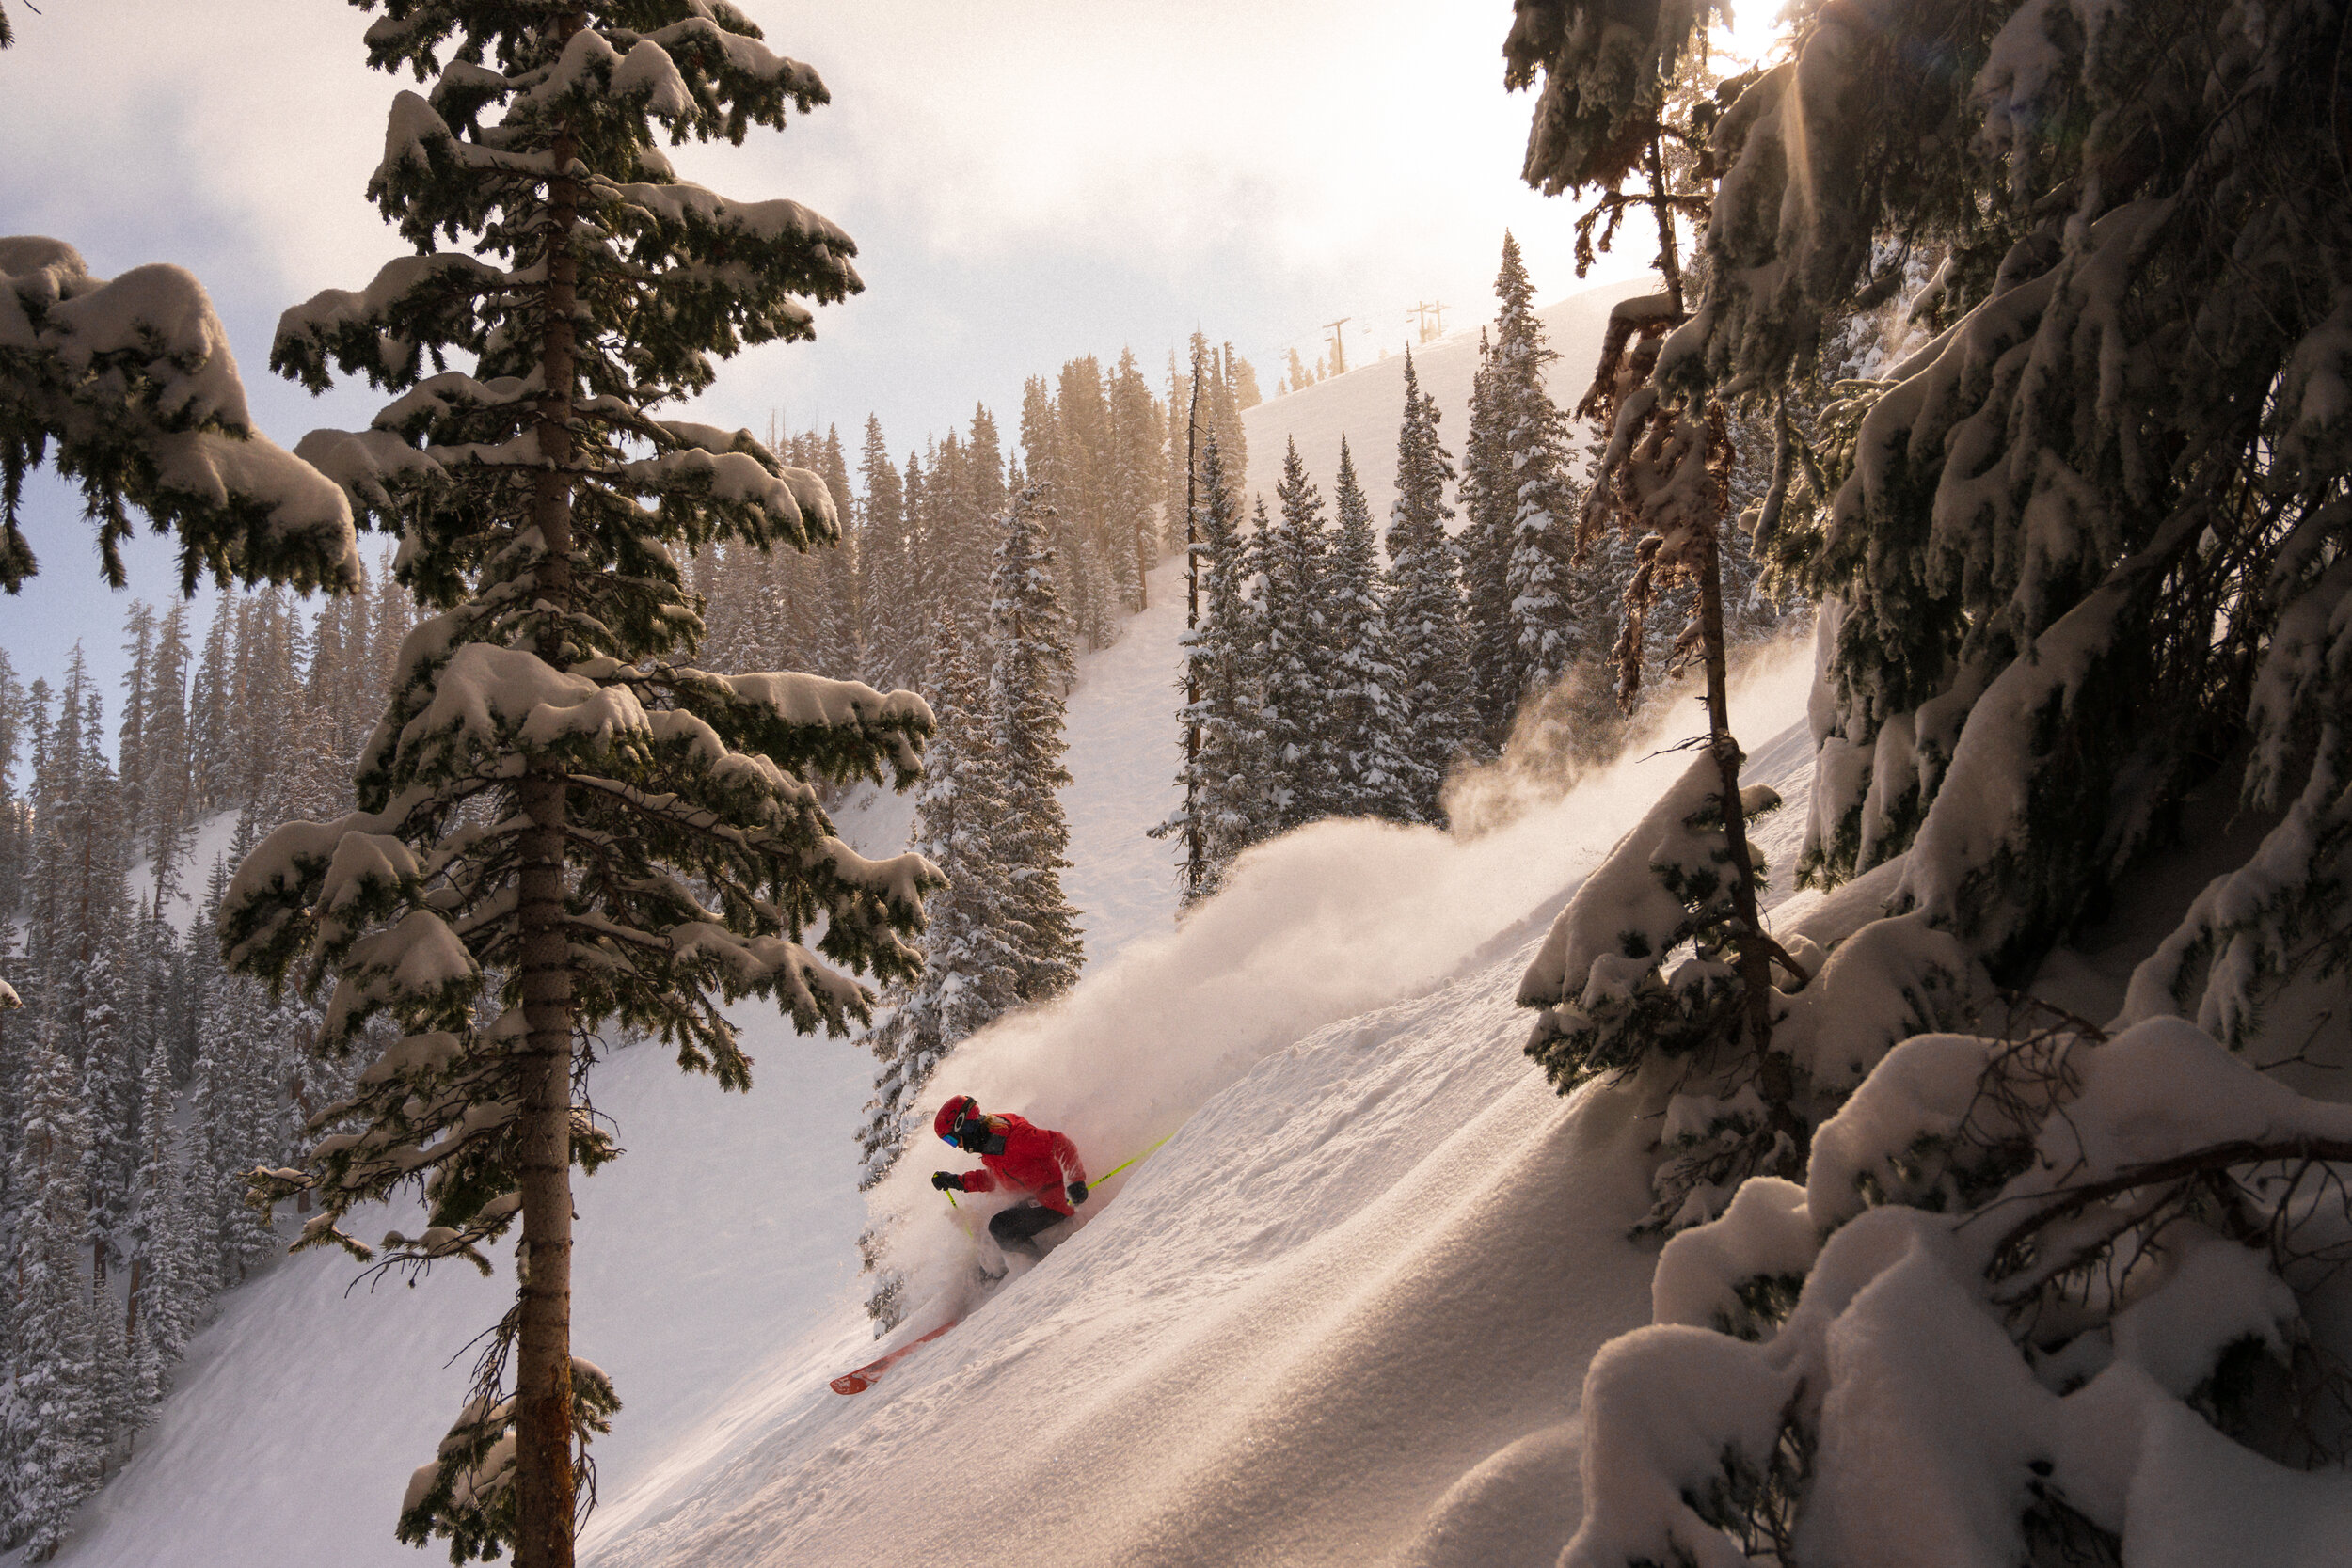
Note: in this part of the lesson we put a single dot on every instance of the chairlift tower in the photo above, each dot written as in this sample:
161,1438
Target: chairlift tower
1339,355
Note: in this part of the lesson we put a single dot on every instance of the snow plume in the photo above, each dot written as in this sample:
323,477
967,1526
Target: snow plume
1331,921
1544,761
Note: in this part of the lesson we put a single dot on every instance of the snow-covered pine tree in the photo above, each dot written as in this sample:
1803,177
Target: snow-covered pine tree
1366,688
211,754
880,553
1082,492
1138,430
99,1031
1223,772
217,1221
561,825
167,809
156,1328
1424,603
962,547
1222,409
237,1096
137,675
891,580
935,513
1533,434
1244,376
1608,111
975,944
1295,673
81,980
15,813
1488,505
1058,462
1029,668
836,645
1183,445
52,1432
989,493
2081,556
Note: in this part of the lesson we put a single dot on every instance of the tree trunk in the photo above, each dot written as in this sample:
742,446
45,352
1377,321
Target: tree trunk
1776,1073
544,1485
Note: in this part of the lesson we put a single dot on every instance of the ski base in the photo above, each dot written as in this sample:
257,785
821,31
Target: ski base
859,1380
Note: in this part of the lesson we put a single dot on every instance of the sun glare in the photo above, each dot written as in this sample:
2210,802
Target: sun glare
1757,27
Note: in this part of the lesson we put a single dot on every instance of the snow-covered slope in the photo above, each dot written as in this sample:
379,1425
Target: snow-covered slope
723,1236
1343,1316
1370,1268
1367,403
1122,727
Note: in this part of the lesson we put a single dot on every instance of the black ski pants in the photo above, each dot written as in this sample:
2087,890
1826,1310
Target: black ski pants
1016,1229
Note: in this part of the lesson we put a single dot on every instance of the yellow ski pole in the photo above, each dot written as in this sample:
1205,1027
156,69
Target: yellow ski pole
1122,1165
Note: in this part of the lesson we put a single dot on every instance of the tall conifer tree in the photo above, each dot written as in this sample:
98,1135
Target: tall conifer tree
54,1437
1367,690
647,840
1138,430
1030,668
1424,603
1296,656
1545,634
1221,776
1489,502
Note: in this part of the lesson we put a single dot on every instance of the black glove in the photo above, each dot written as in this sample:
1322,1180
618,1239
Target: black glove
1078,1194
946,1182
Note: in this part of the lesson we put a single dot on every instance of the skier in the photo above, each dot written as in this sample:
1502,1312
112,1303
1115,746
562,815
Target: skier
1022,1157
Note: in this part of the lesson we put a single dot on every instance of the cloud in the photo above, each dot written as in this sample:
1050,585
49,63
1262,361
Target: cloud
1028,181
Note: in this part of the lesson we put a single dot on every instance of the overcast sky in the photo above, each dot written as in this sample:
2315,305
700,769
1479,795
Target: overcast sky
1027,181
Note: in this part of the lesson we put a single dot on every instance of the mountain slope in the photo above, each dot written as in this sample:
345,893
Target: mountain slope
1343,1316
1367,403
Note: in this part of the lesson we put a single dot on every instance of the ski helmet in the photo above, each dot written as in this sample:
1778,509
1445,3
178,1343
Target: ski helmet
953,1112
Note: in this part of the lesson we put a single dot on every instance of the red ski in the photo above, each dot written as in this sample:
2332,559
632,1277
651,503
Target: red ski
863,1378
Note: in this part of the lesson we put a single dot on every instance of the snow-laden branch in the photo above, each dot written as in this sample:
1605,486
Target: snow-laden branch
131,385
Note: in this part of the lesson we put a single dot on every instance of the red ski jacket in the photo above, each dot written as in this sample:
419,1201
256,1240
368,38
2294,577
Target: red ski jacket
1035,1160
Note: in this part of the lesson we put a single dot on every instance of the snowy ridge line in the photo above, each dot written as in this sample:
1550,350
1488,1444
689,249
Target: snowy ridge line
1366,403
